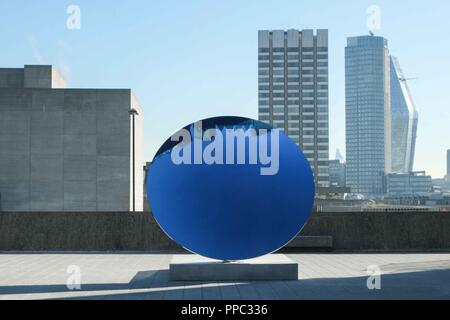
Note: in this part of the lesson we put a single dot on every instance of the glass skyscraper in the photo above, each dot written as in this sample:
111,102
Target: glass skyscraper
293,91
381,118
404,121
368,114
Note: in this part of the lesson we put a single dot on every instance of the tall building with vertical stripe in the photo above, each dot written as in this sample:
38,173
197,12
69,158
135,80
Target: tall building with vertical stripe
368,114
381,117
293,91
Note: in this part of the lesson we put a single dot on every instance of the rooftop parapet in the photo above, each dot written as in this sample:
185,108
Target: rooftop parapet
32,77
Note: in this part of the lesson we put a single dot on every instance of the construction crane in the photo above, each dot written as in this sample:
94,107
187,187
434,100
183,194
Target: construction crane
406,79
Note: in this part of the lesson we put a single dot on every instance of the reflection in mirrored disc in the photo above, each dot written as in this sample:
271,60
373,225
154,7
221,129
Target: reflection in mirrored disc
230,188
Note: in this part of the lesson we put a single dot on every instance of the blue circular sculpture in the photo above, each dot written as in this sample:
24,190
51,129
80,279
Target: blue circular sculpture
230,188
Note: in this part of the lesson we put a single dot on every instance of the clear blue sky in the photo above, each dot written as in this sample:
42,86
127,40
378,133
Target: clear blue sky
188,60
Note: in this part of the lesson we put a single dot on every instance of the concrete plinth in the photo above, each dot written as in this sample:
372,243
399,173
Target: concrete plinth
197,268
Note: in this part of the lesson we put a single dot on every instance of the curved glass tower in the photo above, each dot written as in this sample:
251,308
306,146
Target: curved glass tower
404,119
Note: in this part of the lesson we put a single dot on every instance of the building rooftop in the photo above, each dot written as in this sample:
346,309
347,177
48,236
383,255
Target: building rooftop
366,40
32,77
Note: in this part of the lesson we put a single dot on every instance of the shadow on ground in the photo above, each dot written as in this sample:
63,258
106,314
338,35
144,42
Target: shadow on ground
427,284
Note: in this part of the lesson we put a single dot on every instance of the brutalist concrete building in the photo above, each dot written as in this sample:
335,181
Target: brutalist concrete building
66,149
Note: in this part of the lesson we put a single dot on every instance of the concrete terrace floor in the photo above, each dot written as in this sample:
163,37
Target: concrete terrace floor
145,276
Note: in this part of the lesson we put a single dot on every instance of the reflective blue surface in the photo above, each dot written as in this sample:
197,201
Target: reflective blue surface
231,211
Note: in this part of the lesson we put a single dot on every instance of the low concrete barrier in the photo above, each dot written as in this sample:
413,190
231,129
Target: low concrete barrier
82,231
119,231
311,242
383,231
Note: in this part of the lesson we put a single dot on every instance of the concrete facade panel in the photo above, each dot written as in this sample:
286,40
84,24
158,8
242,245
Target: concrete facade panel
15,144
113,192
80,168
113,145
14,167
80,191
113,101
46,123
14,191
114,123
85,145
15,100
80,124
11,78
46,168
47,144
48,100
38,76
14,122
113,168
46,196
113,181
80,101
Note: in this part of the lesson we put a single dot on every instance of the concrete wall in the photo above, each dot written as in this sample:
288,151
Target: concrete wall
362,231
65,150
38,76
102,231
32,77
83,231
11,78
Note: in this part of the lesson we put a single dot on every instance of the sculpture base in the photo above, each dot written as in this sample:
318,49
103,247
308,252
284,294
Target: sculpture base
276,267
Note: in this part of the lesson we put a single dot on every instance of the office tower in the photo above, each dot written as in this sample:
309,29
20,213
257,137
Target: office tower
404,121
66,149
293,91
368,114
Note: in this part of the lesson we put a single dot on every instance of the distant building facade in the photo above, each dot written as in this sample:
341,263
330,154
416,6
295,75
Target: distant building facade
442,185
368,114
408,185
404,119
448,165
293,91
66,149
337,174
